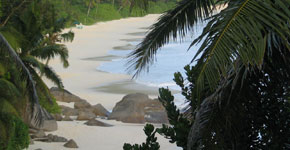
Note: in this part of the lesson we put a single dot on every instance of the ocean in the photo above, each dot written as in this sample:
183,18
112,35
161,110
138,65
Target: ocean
171,58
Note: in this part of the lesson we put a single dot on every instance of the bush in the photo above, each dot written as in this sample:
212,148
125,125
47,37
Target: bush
151,141
14,133
106,12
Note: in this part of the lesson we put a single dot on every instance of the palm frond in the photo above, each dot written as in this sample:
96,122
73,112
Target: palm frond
67,37
51,75
239,89
8,90
177,21
32,61
242,34
51,51
6,48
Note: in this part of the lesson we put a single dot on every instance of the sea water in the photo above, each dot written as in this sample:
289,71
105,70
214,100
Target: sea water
171,58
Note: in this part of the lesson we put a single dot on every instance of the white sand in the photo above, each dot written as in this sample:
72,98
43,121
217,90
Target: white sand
100,138
81,78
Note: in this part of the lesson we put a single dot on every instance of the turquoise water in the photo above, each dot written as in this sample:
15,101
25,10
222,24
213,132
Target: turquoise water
170,59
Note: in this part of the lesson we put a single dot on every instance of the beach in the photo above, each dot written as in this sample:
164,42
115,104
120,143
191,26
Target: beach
90,48
88,51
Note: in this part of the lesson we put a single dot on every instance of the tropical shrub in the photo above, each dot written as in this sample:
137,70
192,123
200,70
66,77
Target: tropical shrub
151,141
14,133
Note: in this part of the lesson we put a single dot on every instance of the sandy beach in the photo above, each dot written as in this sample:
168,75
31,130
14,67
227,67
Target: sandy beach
88,50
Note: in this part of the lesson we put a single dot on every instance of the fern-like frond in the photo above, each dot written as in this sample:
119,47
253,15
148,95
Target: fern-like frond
51,51
241,30
51,75
67,37
177,21
32,61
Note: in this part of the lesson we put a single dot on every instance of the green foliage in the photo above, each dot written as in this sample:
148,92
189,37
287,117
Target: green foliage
2,70
51,107
179,125
14,133
77,10
151,141
159,7
106,12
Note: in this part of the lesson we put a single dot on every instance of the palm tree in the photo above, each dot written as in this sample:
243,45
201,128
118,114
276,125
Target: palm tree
5,48
239,40
143,4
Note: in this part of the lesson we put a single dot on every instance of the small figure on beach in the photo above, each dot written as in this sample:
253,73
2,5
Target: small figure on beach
78,25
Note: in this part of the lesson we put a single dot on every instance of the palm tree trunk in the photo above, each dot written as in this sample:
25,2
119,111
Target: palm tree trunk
89,9
11,13
36,114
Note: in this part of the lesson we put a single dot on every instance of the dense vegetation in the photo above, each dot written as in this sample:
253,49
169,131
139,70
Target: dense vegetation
92,11
239,89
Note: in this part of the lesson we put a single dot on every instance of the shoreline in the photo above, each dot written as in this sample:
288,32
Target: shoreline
90,49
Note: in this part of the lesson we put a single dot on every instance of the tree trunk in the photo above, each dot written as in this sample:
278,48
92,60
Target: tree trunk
89,9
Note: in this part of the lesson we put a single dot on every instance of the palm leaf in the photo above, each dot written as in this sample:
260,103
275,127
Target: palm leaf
177,21
239,31
50,51
6,48
67,37
51,75
32,61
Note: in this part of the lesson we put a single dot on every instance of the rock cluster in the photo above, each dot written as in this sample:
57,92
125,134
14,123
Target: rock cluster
139,108
39,135
82,109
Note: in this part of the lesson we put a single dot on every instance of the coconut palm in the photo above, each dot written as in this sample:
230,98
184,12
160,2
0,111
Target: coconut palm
143,4
10,54
240,40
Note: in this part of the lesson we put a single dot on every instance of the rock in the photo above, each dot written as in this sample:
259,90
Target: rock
67,111
82,105
57,117
67,118
49,125
156,117
71,144
39,134
44,139
55,138
139,108
94,122
86,115
33,131
48,122
64,95
100,110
